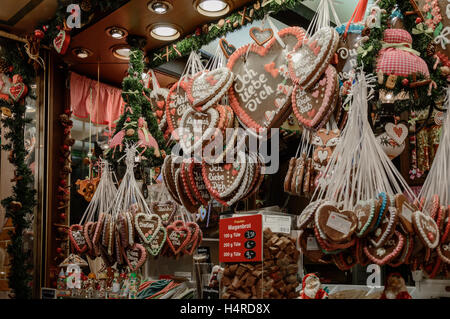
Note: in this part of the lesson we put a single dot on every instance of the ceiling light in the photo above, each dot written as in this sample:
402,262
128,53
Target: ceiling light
81,53
212,8
165,32
121,51
159,6
116,32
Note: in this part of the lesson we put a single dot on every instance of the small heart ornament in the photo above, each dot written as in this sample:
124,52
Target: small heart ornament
227,48
194,242
147,225
61,42
178,236
177,103
398,132
18,91
135,256
261,36
157,242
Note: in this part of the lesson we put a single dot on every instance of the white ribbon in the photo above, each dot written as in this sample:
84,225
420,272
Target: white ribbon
442,38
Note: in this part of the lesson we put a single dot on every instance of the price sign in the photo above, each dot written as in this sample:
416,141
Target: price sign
240,239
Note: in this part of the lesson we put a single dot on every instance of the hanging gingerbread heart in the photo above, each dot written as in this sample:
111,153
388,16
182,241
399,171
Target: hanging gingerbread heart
169,179
197,184
390,146
309,245
183,192
337,226
426,229
313,107
261,36
405,211
385,229
157,242
227,48
208,87
88,232
366,213
308,63
147,225
61,42
324,141
403,257
398,132
307,215
18,91
135,256
195,237
177,103
260,95
384,254
77,238
178,237
347,50
166,210
98,233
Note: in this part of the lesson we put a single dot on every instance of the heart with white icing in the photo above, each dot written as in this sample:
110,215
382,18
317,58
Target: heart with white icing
147,225
390,146
307,215
178,236
61,42
135,256
195,237
309,245
223,179
405,211
365,213
208,87
426,229
177,103
336,225
260,95
166,210
384,254
77,238
196,129
157,242
311,106
308,63
18,91
385,229
197,184
169,179
88,232
398,132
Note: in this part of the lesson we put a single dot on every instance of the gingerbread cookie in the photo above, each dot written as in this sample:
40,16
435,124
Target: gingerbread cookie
384,254
336,225
165,210
365,213
385,229
177,103
309,245
405,211
426,229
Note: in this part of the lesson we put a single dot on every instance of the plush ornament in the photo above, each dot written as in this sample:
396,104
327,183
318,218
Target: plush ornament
395,288
311,288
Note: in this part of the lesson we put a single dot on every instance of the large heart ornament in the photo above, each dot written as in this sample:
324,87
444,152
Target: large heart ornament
261,36
260,95
313,107
77,238
347,50
147,225
208,87
223,179
135,256
308,63
61,42
18,91
384,254
390,146
157,242
178,237
337,226
166,210
398,132
426,229
177,103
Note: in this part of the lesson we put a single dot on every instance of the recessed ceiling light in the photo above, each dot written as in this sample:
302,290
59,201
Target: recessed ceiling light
116,32
212,8
81,53
121,51
165,32
159,6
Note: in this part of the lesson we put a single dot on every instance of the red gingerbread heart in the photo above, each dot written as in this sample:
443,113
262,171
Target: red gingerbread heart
260,100
61,42
134,256
177,103
18,91
77,238
178,237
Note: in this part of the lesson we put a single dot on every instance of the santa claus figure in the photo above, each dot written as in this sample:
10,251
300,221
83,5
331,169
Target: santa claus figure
395,288
311,288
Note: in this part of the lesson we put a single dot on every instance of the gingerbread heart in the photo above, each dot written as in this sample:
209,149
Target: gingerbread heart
398,132
307,215
98,233
365,213
157,242
404,256
405,210
347,50
147,225
426,229
77,238
61,42
182,193
311,106
260,95
135,256
309,62
227,48
196,129
261,36
177,103
310,247
385,229
178,237
18,91
195,237
345,260
208,87
337,226
125,227
443,251
118,248
223,179
88,232
169,179
197,184
361,257
389,146
384,254
166,210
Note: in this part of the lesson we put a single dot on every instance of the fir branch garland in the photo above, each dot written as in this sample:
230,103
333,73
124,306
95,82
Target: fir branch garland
23,192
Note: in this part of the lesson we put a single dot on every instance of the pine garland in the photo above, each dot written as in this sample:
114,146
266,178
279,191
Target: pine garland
137,105
23,192
252,11
368,55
